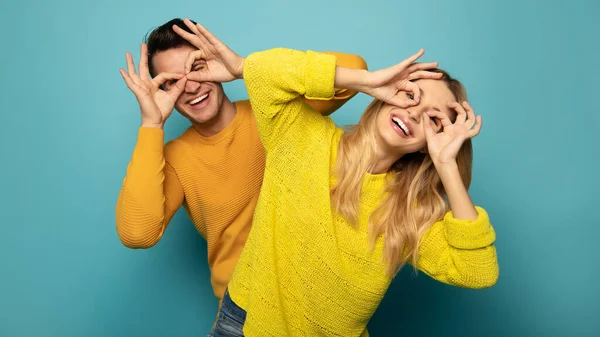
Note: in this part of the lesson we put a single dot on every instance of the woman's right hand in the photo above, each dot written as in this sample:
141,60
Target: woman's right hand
222,64
384,84
156,104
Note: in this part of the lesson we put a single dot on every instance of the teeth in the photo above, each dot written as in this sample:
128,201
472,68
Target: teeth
401,125
199,99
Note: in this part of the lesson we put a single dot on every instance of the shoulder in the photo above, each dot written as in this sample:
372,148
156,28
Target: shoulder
176,148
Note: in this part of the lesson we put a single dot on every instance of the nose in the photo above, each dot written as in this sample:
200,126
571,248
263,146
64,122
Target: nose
191,86
416,112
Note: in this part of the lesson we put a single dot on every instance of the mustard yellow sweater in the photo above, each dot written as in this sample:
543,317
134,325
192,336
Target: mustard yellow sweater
305,271
216,179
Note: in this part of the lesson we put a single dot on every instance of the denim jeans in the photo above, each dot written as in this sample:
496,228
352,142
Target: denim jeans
230,321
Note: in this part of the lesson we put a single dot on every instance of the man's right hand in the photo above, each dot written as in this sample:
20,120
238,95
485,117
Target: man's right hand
156,104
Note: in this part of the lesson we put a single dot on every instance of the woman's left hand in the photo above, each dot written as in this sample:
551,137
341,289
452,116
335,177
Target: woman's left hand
443,146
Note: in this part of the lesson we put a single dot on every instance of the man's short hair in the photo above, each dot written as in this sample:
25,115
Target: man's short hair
164,38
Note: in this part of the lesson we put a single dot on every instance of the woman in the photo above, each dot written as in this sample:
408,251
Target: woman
341,212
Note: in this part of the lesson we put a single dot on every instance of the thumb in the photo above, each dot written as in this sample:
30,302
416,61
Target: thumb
399,101
199,76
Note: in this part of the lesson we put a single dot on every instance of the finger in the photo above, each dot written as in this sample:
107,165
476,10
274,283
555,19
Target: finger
191,26
178,88
192,57
126,78
422,66
470,114
143,66
130,64
199,76
402,66
412,58
475,131
411,87
194,28
189,37
441,116
401,102
429,132
131,69
202,33
130,83
422,74
208,35
161,78
461,116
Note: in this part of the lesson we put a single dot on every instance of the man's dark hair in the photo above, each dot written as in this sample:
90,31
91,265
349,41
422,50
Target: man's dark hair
164,38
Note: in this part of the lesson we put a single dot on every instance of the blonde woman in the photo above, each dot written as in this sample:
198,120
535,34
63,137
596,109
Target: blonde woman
341,212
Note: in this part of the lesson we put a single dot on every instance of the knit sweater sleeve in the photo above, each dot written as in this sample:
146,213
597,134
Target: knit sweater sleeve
150,195
460,252
341,96
277,79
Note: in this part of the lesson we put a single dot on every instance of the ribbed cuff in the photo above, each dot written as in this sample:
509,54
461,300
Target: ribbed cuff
150,139
320,76
470,234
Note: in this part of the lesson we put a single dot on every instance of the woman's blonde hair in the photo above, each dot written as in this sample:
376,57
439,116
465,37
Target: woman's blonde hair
400,218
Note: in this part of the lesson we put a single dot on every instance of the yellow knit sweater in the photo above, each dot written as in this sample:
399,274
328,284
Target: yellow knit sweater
216,179
305,271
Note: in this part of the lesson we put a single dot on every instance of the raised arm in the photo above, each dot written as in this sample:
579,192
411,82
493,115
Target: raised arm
341,96
460,249
277,79
151,192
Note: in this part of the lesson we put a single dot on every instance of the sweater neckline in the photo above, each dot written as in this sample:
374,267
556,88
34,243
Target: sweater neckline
240,117
374,183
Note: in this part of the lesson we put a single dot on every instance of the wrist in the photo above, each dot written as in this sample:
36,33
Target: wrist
446,169
351,79
148,124
239,70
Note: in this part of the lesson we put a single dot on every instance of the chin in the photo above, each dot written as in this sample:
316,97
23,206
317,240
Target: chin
204,118
199,117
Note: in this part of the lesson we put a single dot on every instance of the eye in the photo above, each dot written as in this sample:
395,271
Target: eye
168,84
199,66
409,95
436,122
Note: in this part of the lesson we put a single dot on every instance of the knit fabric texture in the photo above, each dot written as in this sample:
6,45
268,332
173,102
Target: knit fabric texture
305,271
216,179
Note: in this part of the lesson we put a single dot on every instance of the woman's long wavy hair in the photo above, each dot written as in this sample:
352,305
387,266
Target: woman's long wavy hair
415,196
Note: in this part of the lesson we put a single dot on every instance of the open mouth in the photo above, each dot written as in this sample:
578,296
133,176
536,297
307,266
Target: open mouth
398,122
199,100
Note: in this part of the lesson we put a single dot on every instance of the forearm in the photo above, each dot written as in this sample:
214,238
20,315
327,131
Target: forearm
275,78
143,210
276,81
460,202
341,95
460,252
351,79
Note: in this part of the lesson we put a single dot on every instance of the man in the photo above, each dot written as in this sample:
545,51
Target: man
214,169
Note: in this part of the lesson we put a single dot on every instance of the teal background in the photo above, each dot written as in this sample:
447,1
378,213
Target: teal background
69,125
